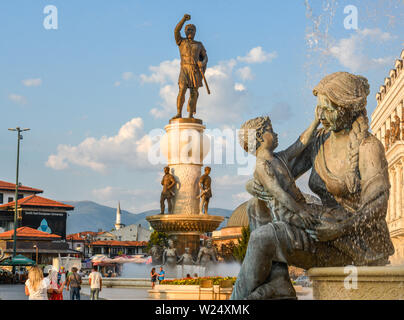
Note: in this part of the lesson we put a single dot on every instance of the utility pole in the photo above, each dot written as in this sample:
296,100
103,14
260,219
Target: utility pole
19,137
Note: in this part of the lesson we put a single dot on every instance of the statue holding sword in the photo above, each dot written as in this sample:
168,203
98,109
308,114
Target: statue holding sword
193,67
205,183
168,182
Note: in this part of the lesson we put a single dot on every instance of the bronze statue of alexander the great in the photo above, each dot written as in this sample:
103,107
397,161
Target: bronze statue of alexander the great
193,65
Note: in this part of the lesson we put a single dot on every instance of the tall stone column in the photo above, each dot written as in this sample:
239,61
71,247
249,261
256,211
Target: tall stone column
399,184
186,150
185,147
392,194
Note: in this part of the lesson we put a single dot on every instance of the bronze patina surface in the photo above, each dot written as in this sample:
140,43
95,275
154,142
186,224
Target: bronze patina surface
348,173
193,66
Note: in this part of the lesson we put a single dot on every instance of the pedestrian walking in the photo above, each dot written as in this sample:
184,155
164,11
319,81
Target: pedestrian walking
37,287
74,284
153,275
95,282
162,274
56,284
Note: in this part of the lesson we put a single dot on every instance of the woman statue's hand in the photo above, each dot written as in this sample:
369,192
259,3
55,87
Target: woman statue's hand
303,220
317,113
308,219
327,231
257,190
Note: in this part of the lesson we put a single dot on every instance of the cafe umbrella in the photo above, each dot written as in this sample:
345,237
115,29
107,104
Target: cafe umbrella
18,260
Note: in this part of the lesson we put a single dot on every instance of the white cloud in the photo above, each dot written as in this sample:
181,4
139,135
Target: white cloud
127,75
258,55
350,52
32,82
241,197
228,181
245,73
17,98
128,147
239,87
167,71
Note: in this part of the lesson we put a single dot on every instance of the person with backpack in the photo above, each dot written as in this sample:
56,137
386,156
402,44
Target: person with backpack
74,284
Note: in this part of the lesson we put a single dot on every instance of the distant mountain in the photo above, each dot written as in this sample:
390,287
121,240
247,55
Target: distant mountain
91,216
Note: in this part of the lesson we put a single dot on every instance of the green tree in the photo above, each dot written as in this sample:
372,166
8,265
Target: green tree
240,250
158,238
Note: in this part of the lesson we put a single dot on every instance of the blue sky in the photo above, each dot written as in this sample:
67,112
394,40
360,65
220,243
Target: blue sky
91,90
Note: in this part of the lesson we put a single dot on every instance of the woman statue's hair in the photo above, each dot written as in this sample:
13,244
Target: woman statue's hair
251,132
349,92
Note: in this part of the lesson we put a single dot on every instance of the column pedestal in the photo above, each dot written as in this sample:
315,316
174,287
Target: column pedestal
185,147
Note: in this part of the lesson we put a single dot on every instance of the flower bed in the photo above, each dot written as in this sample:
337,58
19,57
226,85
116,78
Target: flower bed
196,281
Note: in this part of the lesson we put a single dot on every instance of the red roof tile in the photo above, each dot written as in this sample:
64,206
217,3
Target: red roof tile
37,201
27,232
115,243
79,236
11,186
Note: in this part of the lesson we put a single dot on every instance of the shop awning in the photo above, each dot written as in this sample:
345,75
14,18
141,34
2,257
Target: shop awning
18,260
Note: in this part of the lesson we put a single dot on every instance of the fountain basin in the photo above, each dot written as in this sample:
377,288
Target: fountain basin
185,229
123,282
358,283
187,292
184,223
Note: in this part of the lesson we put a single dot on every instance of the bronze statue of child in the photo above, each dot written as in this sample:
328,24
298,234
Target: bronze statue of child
272,172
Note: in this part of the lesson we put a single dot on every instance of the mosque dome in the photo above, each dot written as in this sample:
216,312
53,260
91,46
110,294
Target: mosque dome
239,217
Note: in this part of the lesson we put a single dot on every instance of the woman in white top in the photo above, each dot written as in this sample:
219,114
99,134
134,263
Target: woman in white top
37,287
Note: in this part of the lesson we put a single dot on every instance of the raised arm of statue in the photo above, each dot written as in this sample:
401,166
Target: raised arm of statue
178,27
302,142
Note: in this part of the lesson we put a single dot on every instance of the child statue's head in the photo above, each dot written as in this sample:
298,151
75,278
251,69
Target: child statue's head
251,135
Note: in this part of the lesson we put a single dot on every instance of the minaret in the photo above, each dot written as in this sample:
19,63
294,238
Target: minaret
118,224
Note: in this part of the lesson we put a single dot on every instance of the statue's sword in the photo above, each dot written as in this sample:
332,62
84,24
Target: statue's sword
204,79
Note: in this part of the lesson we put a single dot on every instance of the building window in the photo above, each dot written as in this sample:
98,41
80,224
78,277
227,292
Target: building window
1,198
20,196
10,199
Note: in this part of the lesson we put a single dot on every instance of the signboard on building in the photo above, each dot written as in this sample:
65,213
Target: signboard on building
50,222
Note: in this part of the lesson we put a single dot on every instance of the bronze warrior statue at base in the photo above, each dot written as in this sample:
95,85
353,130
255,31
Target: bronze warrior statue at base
168,183
205,184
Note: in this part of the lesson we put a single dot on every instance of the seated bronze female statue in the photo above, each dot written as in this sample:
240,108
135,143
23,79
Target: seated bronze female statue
349,174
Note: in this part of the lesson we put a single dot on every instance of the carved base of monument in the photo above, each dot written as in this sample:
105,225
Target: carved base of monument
185,230
373,283
186,240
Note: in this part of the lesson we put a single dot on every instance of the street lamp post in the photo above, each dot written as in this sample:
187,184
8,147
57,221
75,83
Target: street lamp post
19,137
36,253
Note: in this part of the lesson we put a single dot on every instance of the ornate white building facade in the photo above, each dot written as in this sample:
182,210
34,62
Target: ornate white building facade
388,126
